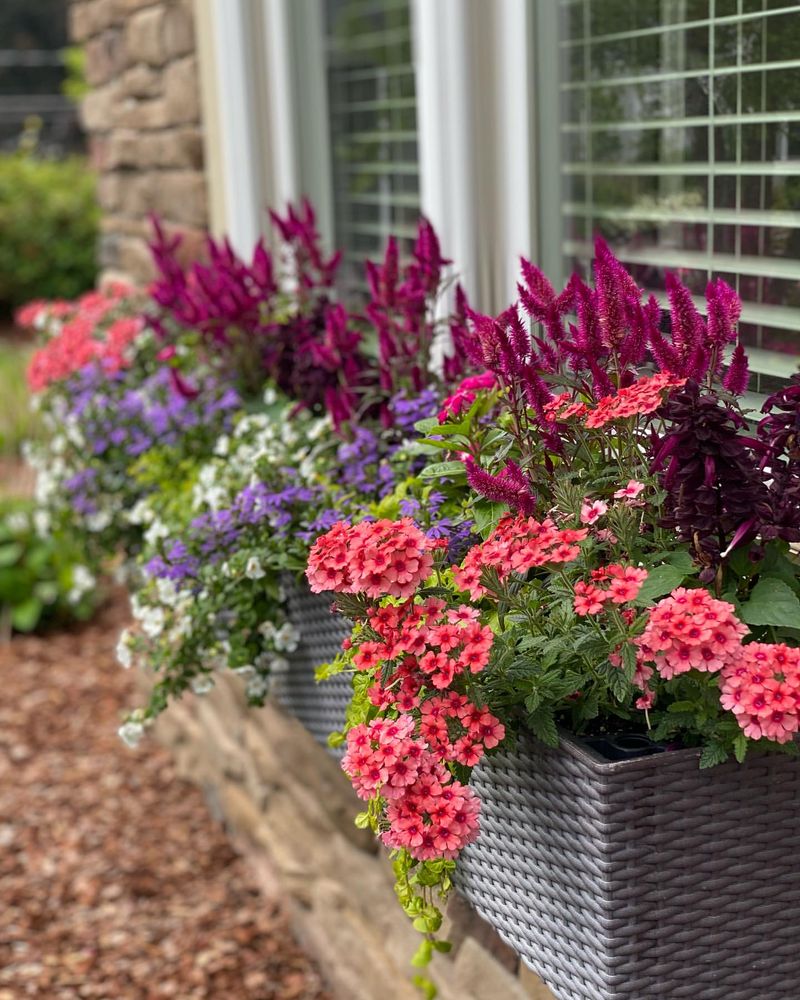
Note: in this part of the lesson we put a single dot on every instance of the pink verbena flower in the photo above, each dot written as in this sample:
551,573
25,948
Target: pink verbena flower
592,511
690,630
761,686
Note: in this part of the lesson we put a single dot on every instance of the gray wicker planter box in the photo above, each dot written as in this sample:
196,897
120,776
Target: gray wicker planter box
320,707
644,879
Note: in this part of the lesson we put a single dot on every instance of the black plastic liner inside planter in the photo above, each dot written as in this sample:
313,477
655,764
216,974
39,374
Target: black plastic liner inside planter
320,707
641,879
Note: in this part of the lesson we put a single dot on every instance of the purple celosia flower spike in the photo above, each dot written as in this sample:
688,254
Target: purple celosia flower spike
688,331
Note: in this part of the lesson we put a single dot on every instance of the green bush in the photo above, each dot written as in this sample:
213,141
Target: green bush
41,578
48,228
18,421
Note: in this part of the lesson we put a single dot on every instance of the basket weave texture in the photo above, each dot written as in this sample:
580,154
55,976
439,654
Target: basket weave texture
644,879
320,707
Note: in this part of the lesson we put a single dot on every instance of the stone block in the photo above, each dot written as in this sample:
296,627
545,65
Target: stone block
182,91
477,974
534,988
134,259
462,923
79,20
178,34
149,114
179,147
181,196
98,108
110,192
141,80
144,36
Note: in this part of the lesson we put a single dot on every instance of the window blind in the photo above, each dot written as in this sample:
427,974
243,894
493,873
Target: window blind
373,129
680,137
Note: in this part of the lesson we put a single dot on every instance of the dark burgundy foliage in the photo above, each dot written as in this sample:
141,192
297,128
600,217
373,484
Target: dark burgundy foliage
778,436
710,471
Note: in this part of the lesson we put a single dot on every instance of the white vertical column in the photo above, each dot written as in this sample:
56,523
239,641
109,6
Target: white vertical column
242,175
445,130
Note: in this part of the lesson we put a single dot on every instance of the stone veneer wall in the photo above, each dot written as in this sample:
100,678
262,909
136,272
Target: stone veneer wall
290,809
143,122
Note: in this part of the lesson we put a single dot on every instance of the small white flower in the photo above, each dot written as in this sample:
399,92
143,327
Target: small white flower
202,684
257,687
253,569
287,638
99,521
270,396
124,652
131,733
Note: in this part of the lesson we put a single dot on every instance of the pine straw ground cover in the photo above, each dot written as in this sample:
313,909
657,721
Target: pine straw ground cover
115,882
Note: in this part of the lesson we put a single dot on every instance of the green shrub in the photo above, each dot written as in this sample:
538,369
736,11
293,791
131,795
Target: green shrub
18,422
48,228
41,578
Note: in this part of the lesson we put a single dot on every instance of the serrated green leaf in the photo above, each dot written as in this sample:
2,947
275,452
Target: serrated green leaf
771,602
740,747
543,725
713,754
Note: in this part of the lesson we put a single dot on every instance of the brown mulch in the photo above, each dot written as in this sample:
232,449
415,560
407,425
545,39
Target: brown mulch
115,881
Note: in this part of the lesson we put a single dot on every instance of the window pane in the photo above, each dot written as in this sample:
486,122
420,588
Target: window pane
681,146
373,129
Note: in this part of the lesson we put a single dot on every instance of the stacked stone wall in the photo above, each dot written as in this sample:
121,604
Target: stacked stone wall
143,121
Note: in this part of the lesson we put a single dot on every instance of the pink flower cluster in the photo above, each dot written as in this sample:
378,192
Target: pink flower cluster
376,558
429,812
616,584
465,394
761,686
690,630
422,648
519,544
430,647
84,336
644,396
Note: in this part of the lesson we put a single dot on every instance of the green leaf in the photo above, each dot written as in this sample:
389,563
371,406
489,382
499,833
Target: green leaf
423,955
362,820
740,747
771,602
441,469
713,754
425,986
10,553
25,617
543,725
683,561
660,580
486,516
427,426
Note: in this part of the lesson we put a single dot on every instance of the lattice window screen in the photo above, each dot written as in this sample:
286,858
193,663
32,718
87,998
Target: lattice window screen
373,128
681,145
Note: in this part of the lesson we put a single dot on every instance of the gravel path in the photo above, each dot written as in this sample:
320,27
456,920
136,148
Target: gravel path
115,882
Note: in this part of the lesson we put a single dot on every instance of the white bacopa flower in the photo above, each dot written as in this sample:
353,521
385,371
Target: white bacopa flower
253,569
167,591
153,620
99,521
17,521
287,638
155,531
222,446
41,522
83,580
270,396
131,733
257,687
202,684
124,651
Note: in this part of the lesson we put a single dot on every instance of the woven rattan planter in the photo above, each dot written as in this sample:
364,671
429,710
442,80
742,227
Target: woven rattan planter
320,707
645,879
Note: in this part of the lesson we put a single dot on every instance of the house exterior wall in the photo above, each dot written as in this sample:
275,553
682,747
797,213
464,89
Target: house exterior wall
144,125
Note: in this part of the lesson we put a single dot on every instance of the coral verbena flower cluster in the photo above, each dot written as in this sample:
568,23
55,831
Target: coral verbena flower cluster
518,544
761,686
375,558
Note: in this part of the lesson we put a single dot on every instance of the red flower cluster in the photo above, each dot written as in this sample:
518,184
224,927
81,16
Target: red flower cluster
623,585
563,407
644,396
519,544
762,688
376,558
690,630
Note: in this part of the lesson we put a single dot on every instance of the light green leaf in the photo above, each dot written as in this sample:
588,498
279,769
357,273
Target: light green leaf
25,617
10,553
441,469
740,747
771,602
